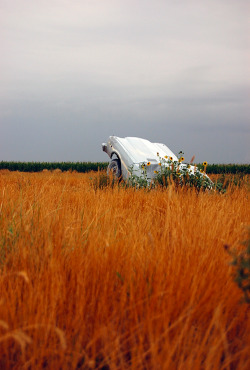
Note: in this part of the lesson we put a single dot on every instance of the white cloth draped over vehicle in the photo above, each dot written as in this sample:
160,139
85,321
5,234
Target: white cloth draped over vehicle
130,153
134,151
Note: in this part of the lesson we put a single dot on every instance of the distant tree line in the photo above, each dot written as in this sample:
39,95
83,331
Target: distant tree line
227,168
63,166
95,166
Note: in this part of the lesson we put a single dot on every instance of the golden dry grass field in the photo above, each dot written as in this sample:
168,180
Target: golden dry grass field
119,278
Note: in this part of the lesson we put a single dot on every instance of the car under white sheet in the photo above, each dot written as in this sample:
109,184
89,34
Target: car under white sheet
131,153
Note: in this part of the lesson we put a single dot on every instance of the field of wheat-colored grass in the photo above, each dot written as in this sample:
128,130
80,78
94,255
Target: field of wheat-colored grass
119,278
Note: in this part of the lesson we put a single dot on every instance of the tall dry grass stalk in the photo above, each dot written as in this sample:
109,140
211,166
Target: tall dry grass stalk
119,278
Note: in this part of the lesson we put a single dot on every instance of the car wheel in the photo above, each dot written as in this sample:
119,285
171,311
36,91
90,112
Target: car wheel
115,168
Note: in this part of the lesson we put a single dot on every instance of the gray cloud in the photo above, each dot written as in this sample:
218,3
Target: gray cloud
75,72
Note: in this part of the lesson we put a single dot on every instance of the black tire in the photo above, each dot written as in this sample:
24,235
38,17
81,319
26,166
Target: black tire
115,168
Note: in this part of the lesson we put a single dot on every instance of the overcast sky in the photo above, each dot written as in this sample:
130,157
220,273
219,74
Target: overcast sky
74,72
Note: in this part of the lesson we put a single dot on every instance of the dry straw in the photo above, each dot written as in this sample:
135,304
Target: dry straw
119,278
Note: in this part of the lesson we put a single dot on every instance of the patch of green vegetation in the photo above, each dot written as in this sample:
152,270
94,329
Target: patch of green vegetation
63,166
95,166
241,268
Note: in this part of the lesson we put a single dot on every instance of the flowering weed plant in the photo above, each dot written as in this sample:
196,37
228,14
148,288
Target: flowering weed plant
169,171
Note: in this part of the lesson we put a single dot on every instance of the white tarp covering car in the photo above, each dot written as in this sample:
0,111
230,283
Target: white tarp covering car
134,153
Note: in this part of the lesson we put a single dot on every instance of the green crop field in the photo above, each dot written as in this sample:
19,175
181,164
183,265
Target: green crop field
95,166
63,166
